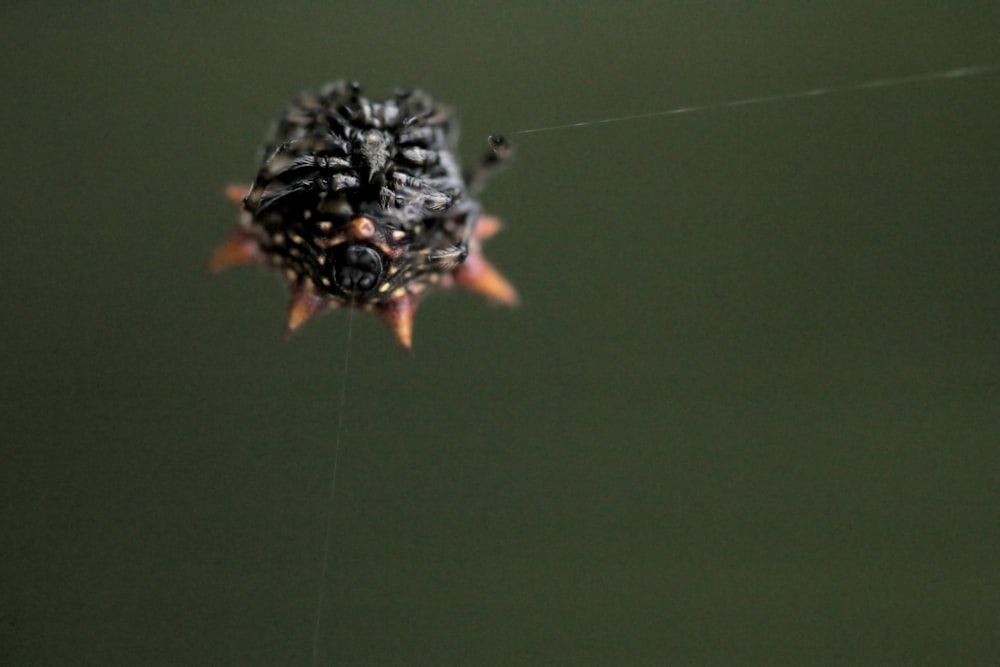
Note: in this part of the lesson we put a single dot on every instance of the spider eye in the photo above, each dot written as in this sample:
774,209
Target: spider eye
356,268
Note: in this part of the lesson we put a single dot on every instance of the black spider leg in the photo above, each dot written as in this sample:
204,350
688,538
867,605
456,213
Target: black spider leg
251,200
258,190
495,160
304,193
453,256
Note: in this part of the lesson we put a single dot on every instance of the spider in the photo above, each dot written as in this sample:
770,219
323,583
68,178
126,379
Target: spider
362,204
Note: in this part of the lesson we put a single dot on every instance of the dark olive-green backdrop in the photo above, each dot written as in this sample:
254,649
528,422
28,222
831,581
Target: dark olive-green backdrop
747,413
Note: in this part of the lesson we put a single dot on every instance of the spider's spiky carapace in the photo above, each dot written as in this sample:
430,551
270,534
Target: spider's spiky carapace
362,204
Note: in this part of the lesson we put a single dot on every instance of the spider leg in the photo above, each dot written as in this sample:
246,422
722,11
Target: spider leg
481,227
501,151
296,193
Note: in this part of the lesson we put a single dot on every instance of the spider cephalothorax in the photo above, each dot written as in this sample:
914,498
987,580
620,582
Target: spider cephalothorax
362,204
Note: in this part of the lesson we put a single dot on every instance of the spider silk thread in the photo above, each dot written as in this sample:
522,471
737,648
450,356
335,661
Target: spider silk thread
890,82
328,532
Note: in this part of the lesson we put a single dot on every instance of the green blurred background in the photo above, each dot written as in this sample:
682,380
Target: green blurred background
747,414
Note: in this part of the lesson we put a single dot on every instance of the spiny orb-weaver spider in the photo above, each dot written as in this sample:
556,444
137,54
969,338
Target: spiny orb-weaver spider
362,204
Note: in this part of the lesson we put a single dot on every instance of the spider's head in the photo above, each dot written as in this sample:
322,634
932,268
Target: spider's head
371,147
